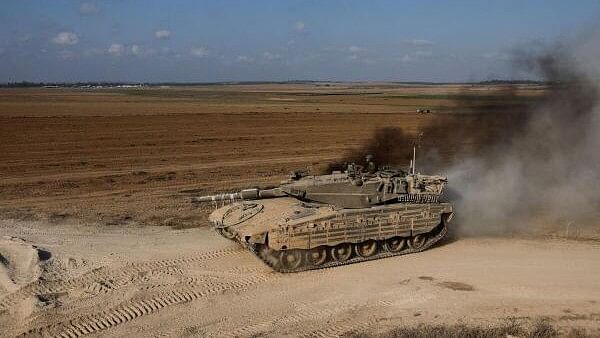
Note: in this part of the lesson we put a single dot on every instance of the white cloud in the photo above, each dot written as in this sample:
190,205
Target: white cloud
416,56
162,34
407,59
497,56
199,52
271,56
88,8
355,49
116,49
66,55
298,26
361,59
419,42
356,53
66,39
136,50
244,59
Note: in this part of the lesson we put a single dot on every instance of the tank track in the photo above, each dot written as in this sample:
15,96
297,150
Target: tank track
271,257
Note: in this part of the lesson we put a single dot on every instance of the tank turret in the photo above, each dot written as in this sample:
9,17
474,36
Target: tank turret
357,187
313,221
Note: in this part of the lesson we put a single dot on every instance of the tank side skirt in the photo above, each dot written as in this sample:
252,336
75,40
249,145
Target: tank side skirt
356,228
379,227
359,234
256,250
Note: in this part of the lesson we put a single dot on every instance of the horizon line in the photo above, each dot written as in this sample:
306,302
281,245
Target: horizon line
25,83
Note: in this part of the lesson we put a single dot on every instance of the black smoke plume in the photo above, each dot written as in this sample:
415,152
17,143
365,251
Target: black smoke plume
388,146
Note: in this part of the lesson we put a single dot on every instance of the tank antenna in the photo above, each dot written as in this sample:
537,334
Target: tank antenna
414,161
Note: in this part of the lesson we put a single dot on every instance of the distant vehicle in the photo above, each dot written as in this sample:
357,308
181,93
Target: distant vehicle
423,111
311,222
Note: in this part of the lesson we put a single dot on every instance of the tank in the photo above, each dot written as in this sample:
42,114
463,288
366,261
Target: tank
358,214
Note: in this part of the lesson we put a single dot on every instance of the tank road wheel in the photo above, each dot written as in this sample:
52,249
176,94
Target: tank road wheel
290,259
316,256
395,244
366,249
226,233
418,241
341,252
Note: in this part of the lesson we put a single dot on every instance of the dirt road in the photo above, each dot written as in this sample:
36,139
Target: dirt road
154,281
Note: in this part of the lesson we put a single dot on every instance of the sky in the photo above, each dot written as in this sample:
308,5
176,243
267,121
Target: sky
222,40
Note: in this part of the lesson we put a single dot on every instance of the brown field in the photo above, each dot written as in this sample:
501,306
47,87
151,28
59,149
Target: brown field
132,156
86,174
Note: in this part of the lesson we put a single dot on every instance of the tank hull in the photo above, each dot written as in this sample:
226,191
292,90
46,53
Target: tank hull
359,225
292,236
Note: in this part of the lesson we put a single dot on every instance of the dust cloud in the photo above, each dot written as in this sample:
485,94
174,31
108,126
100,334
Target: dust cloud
516,164
545,172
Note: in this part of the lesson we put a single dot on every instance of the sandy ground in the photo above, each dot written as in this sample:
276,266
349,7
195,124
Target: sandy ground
155,281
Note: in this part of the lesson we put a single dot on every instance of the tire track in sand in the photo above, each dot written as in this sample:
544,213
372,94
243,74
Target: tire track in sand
337,330
131,310
307,313
109,278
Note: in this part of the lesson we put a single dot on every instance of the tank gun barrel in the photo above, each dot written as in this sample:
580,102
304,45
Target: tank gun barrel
246,194
217,197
